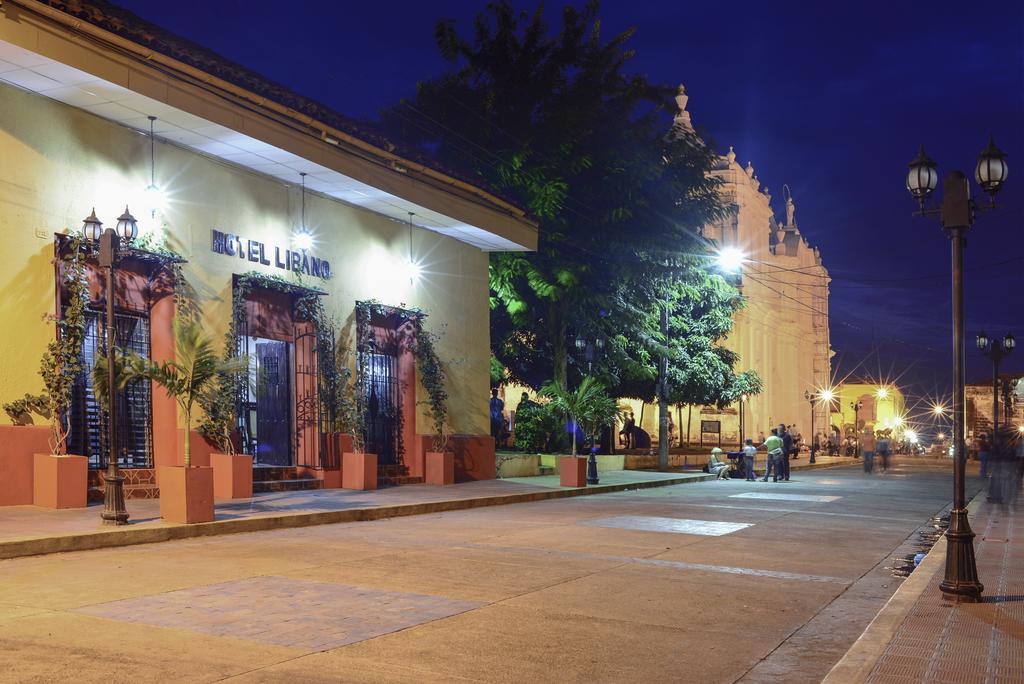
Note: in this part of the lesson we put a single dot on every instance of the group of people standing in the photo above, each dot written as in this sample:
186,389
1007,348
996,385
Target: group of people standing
780,446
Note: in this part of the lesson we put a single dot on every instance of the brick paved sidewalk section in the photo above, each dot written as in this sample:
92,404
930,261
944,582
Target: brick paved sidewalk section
940,641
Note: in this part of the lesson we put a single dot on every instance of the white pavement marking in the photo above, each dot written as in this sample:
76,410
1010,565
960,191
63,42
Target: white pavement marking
707,528
786,497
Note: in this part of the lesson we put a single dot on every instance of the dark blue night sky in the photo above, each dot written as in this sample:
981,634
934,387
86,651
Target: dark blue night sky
831,99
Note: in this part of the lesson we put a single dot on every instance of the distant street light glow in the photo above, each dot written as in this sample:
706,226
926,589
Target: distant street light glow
828,395
911,436
882,392
939,410
303,240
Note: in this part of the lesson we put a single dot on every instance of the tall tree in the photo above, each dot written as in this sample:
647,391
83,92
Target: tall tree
551,119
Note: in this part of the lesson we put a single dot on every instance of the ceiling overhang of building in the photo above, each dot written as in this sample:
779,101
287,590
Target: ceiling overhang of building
247,139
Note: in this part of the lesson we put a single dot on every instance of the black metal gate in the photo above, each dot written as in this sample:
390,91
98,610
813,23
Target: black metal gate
381,404
307,422
88,435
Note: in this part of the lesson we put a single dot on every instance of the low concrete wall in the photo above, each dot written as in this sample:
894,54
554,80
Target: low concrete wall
520,465
650,462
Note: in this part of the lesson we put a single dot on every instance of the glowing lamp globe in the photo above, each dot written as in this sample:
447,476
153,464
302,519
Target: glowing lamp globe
127,226
154,200
991,170
922,176
982,341
303,240
92,227
1009,342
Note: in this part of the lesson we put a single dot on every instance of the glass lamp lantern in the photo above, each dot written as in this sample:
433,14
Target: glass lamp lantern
92,227
982,341
1009,342
922,176
127,226
992,170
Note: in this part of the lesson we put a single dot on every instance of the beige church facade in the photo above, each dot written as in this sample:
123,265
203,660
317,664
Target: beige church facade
782,332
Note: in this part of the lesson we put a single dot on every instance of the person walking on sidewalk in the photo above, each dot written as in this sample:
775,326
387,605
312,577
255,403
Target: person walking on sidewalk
749,452
787,450
774,446
867,449
883,449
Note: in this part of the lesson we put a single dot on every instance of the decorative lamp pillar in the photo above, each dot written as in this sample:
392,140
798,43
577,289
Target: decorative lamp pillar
114,511
956,213
996,350
811,398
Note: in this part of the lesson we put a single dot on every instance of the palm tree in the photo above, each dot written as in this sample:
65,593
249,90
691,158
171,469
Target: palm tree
192,374
589,406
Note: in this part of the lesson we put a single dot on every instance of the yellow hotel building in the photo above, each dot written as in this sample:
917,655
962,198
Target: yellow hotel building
79,87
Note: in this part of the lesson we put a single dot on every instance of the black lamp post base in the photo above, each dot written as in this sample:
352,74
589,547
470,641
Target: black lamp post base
961,581
114,511
592,470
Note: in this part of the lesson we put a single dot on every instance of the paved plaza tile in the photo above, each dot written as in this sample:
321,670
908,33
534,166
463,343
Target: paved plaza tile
648,523
770,496
284,611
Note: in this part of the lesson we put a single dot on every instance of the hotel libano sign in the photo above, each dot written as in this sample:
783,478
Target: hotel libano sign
297,261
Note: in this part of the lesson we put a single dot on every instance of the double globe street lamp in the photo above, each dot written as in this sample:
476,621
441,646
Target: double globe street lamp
956,213
825,396
995,350
114,511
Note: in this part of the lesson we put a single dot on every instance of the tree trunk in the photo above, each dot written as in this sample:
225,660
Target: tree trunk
662,395
689,415
559,347
188,442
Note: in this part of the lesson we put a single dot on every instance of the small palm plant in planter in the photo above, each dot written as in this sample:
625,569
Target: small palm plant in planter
232,472
186,493
589,407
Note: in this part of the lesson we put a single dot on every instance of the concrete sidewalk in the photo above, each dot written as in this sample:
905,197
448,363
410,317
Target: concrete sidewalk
919,636
30,530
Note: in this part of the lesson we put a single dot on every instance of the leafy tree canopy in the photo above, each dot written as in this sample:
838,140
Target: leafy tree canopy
551,119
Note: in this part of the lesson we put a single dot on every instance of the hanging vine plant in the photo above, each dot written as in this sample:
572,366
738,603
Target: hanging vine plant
423,344
62,361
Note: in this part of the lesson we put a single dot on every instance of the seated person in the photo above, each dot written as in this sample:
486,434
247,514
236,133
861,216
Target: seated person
716,466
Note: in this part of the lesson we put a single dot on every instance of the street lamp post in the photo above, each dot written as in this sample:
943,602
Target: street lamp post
811,398
591,349
956,214
856,406
995,350
743,403
114,511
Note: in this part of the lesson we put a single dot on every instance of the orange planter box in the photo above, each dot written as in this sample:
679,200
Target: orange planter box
572,471
60,481
359,471
186,494
232,476
440,468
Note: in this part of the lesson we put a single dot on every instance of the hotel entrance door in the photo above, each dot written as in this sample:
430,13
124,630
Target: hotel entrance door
269,414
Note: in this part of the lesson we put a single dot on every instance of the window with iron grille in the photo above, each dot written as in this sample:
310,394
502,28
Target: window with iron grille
89,431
